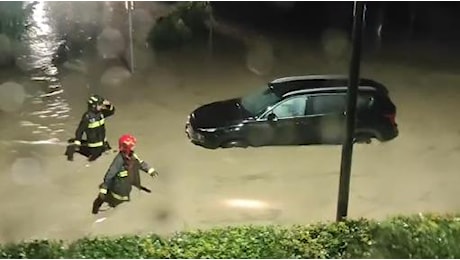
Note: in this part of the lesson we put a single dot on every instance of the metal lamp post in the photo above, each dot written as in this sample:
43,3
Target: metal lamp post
130,6
211,29
347,148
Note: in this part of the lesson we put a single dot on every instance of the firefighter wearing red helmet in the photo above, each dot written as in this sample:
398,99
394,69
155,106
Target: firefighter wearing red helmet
122,174
92,124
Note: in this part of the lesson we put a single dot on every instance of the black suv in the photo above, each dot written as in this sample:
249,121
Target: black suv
294,111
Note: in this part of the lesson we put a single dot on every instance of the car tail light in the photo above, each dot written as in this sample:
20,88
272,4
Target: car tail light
392,118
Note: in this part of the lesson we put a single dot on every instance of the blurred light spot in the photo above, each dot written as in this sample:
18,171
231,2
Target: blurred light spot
115,76
335,43
21,50
110,43
248,204
12,96
27,170
143,22
6,51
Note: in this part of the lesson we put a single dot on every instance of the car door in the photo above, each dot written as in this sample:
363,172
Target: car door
326,116
280,125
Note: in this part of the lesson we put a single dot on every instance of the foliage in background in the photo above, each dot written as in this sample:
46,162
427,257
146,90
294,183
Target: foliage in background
420,236
186,23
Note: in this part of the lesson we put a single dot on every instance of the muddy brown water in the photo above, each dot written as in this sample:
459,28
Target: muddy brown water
44,196
201,188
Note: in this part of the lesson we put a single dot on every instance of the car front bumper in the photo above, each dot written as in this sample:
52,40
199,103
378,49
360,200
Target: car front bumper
193,135
206,140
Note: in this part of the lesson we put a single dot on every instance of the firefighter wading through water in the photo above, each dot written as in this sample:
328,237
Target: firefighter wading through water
122,174
92,124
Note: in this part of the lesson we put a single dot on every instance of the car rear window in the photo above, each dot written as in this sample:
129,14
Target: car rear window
336,103
327,104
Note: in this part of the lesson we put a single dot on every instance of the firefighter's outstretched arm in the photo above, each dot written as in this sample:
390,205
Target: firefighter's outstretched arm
145,166
111,173
81,129
109,109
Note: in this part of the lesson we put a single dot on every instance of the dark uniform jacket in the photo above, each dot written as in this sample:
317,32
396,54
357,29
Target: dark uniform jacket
93,125
122,174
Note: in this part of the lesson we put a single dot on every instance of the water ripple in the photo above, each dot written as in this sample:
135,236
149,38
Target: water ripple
49,108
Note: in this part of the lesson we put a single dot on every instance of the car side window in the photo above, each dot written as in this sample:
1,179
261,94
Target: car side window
292,107
327,104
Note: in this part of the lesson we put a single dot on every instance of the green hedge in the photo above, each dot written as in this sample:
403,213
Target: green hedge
428,236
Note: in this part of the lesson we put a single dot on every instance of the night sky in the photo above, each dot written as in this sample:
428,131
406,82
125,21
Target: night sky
421,21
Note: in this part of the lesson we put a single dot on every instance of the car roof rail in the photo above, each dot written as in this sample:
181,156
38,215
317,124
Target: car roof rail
314,90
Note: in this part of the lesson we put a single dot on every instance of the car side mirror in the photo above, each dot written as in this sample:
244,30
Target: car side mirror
272,117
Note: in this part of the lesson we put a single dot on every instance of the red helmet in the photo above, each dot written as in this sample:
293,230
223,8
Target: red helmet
126,143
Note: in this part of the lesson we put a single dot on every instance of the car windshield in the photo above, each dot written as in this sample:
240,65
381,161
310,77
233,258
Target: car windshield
257,101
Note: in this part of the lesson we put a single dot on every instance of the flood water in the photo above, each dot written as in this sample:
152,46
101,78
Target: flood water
43,195
46,110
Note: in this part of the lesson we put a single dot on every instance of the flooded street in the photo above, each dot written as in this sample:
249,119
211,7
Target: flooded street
43,195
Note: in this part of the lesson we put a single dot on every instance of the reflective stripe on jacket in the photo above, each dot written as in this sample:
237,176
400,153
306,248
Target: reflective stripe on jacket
122,175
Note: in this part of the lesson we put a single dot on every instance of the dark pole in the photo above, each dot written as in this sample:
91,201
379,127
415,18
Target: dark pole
130,5
347,148
211,29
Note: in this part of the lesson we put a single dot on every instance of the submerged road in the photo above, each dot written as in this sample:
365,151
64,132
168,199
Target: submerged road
43,195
